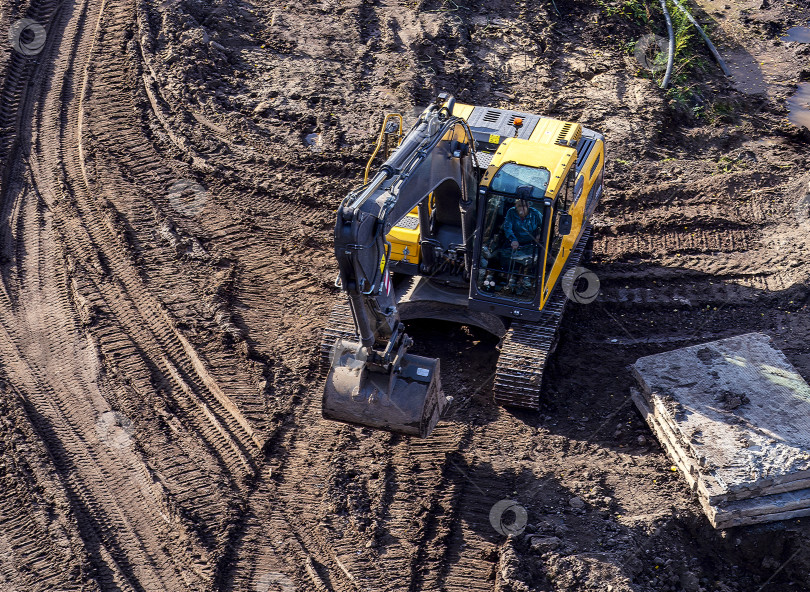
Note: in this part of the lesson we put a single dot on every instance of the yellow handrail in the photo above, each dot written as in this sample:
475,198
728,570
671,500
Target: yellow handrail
380,139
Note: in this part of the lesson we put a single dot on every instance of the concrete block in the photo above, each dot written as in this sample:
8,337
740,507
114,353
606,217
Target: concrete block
734,415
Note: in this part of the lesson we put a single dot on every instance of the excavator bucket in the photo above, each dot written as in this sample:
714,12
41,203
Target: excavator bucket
408,402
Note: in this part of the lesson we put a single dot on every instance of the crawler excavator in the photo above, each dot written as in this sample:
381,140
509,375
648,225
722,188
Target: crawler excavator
478,215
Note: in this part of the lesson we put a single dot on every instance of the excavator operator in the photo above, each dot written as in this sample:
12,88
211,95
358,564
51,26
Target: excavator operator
518,257
522,223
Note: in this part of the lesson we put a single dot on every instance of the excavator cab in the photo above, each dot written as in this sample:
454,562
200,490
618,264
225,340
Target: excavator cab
510,260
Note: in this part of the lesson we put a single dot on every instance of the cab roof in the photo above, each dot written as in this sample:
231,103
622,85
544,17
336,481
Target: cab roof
554,158
538,141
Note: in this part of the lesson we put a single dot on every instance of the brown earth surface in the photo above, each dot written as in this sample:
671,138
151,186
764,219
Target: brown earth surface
170,170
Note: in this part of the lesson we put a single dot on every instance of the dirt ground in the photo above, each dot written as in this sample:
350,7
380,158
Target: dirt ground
170,171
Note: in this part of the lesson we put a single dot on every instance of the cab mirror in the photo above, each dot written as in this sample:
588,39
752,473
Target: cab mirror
564,226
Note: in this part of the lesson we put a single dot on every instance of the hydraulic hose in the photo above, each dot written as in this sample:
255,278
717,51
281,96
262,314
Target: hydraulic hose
708,41
671,56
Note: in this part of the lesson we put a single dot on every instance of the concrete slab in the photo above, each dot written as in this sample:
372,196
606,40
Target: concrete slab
725,513
768,508
734,415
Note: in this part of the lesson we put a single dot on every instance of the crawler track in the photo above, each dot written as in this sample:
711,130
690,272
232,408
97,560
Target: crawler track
526,347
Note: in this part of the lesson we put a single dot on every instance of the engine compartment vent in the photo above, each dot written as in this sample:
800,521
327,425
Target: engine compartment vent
492,116
562,137
566,138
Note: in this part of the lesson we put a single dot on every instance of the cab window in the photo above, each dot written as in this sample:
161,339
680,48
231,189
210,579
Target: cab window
511,176
561,206
512,243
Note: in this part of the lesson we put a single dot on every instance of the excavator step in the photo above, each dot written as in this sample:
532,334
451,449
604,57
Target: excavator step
339,326
527,346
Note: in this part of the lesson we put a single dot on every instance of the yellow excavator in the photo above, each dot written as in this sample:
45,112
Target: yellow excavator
478,215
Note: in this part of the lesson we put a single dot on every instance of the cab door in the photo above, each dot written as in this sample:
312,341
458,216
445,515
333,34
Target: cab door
556,253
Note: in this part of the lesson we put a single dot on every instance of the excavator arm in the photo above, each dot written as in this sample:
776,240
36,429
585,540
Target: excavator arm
375,382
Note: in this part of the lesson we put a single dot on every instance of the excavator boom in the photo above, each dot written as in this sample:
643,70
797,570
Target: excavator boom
374,381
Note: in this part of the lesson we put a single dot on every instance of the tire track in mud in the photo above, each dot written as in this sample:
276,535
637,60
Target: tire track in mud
40,546
246,240
294,521
227,435
183,364
268,279
41,351
283,532
464,546
235,239
28,531
19,68
647,244
706,241
124,537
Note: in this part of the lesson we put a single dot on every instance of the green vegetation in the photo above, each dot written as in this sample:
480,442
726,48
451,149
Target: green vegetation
726,164
684,93
722,111
634,10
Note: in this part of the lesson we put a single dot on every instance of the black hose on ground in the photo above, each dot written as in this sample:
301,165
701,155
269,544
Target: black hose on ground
711,46
671,57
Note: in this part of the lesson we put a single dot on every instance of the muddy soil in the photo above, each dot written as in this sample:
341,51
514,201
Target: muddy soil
170,171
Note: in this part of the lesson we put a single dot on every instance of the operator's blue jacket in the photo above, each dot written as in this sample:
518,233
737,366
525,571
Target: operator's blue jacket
523,231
